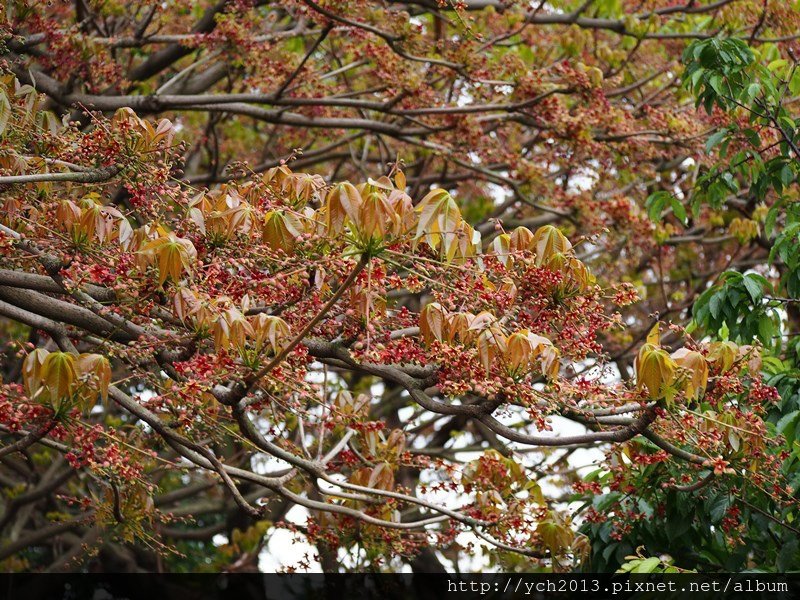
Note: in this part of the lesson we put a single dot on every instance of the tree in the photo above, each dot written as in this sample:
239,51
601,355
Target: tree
368,260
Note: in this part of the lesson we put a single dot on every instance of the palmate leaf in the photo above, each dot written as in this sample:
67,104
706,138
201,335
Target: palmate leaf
439,216
654,335
59,374
525,350
696,367
5,111
502,249
491,342
655,370
54,377
342,202
547,242
172,255
463,244
377,217
186,303
32,371
530,169
231,329
269,330
554,535
458,327
280,230
432,322
723,353
95,372
518,351
520,239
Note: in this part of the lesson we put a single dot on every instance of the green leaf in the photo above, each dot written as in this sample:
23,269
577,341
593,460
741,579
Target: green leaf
752,137
752,91
753,288
296,44
718,507
772,217
715,304
777,64
766,330
788,556
678,209
655,204
786,175
786,421
715,139
648,565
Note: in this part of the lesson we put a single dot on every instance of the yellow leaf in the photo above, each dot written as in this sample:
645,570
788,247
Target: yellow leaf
403,208
381,477
348,405
535,492
482,320
723,354
654,337
279,178
306,186
124,233
376,217
59,374
465,244
239,217
173,255
655,370
518,351
581,547
548,241
382,183
555,536
509,287
185,302
549,360
67,214
366,303
753,357
524,347
5,111
491,342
